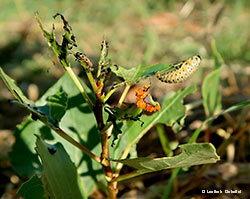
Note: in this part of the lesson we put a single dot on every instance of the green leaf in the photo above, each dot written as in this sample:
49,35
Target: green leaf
59,173
50,114
133,75
33,188
192,154
23,157
211,92
126,74
78,122
15,90
55,108
194,138
218,59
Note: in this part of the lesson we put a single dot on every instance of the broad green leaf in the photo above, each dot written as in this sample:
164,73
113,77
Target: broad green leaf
33,188
192,154
78,122
211,92
126,74
211,85
59,173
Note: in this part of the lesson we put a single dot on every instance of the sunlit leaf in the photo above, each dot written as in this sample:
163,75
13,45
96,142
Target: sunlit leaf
133,75
192,154
171,73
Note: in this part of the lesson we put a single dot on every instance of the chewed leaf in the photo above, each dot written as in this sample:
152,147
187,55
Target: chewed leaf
192,154
68,42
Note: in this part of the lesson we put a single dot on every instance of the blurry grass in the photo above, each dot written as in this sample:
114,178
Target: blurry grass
138,31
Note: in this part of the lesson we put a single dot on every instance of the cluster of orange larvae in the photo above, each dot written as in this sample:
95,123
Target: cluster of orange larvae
145,101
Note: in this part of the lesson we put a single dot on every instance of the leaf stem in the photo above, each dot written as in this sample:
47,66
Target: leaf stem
125,92
128,176
77,144
91,79
105,98
79,86
105,137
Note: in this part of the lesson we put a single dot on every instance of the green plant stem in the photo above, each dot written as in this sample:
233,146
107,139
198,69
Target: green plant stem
125,92
91,79
170,183
77,144
105,98
164,140
127,176
112,186
105,136
79,86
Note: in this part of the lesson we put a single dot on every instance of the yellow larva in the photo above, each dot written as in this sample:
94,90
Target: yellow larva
180,72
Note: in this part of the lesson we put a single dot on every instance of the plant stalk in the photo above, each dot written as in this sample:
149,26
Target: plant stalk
105,137
105,98
79,86
125,92
77,144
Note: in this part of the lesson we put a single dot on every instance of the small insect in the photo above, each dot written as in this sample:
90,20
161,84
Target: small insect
181,71
82,57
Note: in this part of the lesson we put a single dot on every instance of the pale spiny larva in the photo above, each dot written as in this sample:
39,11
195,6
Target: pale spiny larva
181,71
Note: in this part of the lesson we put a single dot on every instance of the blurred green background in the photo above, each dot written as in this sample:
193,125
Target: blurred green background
139,31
